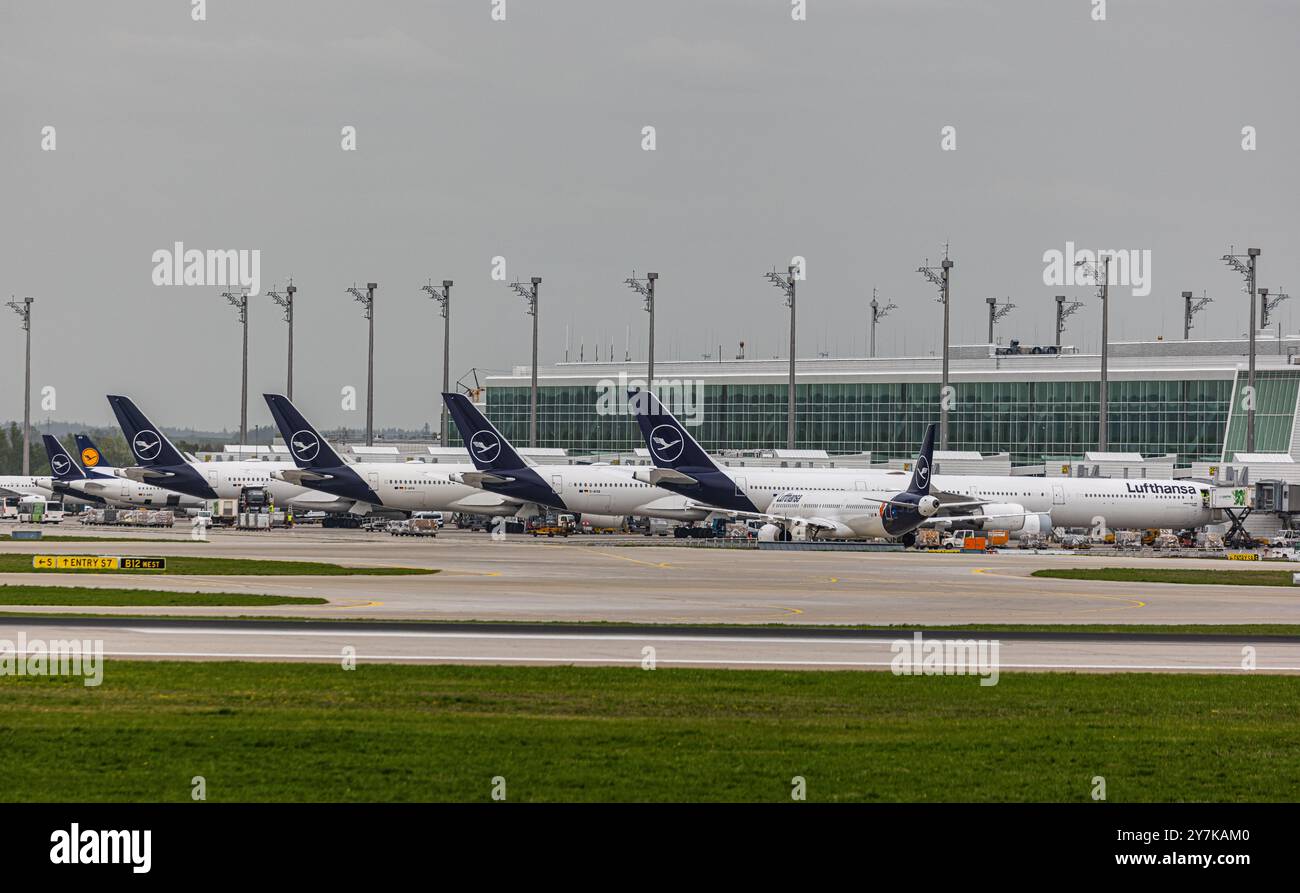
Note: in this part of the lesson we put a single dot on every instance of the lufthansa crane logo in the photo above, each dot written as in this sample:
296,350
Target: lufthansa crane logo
90,457
61,464
486,446
922,472
305,445
667,443
147,445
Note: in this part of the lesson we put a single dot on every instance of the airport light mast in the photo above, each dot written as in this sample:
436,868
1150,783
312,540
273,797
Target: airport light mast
1267,305
997,313
286,301
1063,312
24,310
941,276
443,298
878,312
786,284
240,302
1190,309
368,301
528,291
1246,265
646,288
1101,275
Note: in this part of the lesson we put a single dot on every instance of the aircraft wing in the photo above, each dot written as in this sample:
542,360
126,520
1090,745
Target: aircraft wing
145,475
300,476
486,500
659,476
479,478
820,523
957,519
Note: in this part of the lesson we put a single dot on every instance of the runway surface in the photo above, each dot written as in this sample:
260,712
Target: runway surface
652,648
598,579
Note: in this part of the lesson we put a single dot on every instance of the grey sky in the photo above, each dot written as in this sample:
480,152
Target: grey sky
523,139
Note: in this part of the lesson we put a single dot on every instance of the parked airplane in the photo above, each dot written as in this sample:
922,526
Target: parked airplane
101,488
20,485
162,464
830,511
586,489
405,486
1020,504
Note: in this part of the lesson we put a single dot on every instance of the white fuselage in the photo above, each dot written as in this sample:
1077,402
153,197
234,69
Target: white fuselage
1072,502
122,492
612,490
27,485
229,479
430,487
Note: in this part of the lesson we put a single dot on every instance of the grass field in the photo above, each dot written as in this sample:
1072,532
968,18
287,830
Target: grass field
89,597
1171,575
1242,630
77,538
310,732
14,562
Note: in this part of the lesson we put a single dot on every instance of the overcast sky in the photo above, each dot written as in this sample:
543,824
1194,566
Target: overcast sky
523,138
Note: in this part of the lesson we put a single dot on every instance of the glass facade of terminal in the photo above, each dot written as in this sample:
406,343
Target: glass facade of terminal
1031,420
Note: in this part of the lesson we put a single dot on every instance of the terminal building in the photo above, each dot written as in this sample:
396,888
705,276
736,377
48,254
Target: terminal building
1165,398
1171,409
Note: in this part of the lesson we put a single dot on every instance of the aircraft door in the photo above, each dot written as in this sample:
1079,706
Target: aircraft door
1058,494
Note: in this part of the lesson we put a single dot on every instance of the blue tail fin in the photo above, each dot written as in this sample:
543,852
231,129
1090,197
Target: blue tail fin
148,444
920,483
91,457
669,444
308,448
488,447
61,465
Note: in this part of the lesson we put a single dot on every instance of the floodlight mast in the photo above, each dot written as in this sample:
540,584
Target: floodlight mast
997,312
786,284
367,300
1101,275
240,302
1191,307
1247,266
443,297
1064,311
942,277
646,288
878,312
528,291
24,310
1267,305
286,301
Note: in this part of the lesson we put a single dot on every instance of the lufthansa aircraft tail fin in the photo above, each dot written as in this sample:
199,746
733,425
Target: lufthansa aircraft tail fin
920,483
91,457
308,448
488,447
666,438
148,444
61,465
